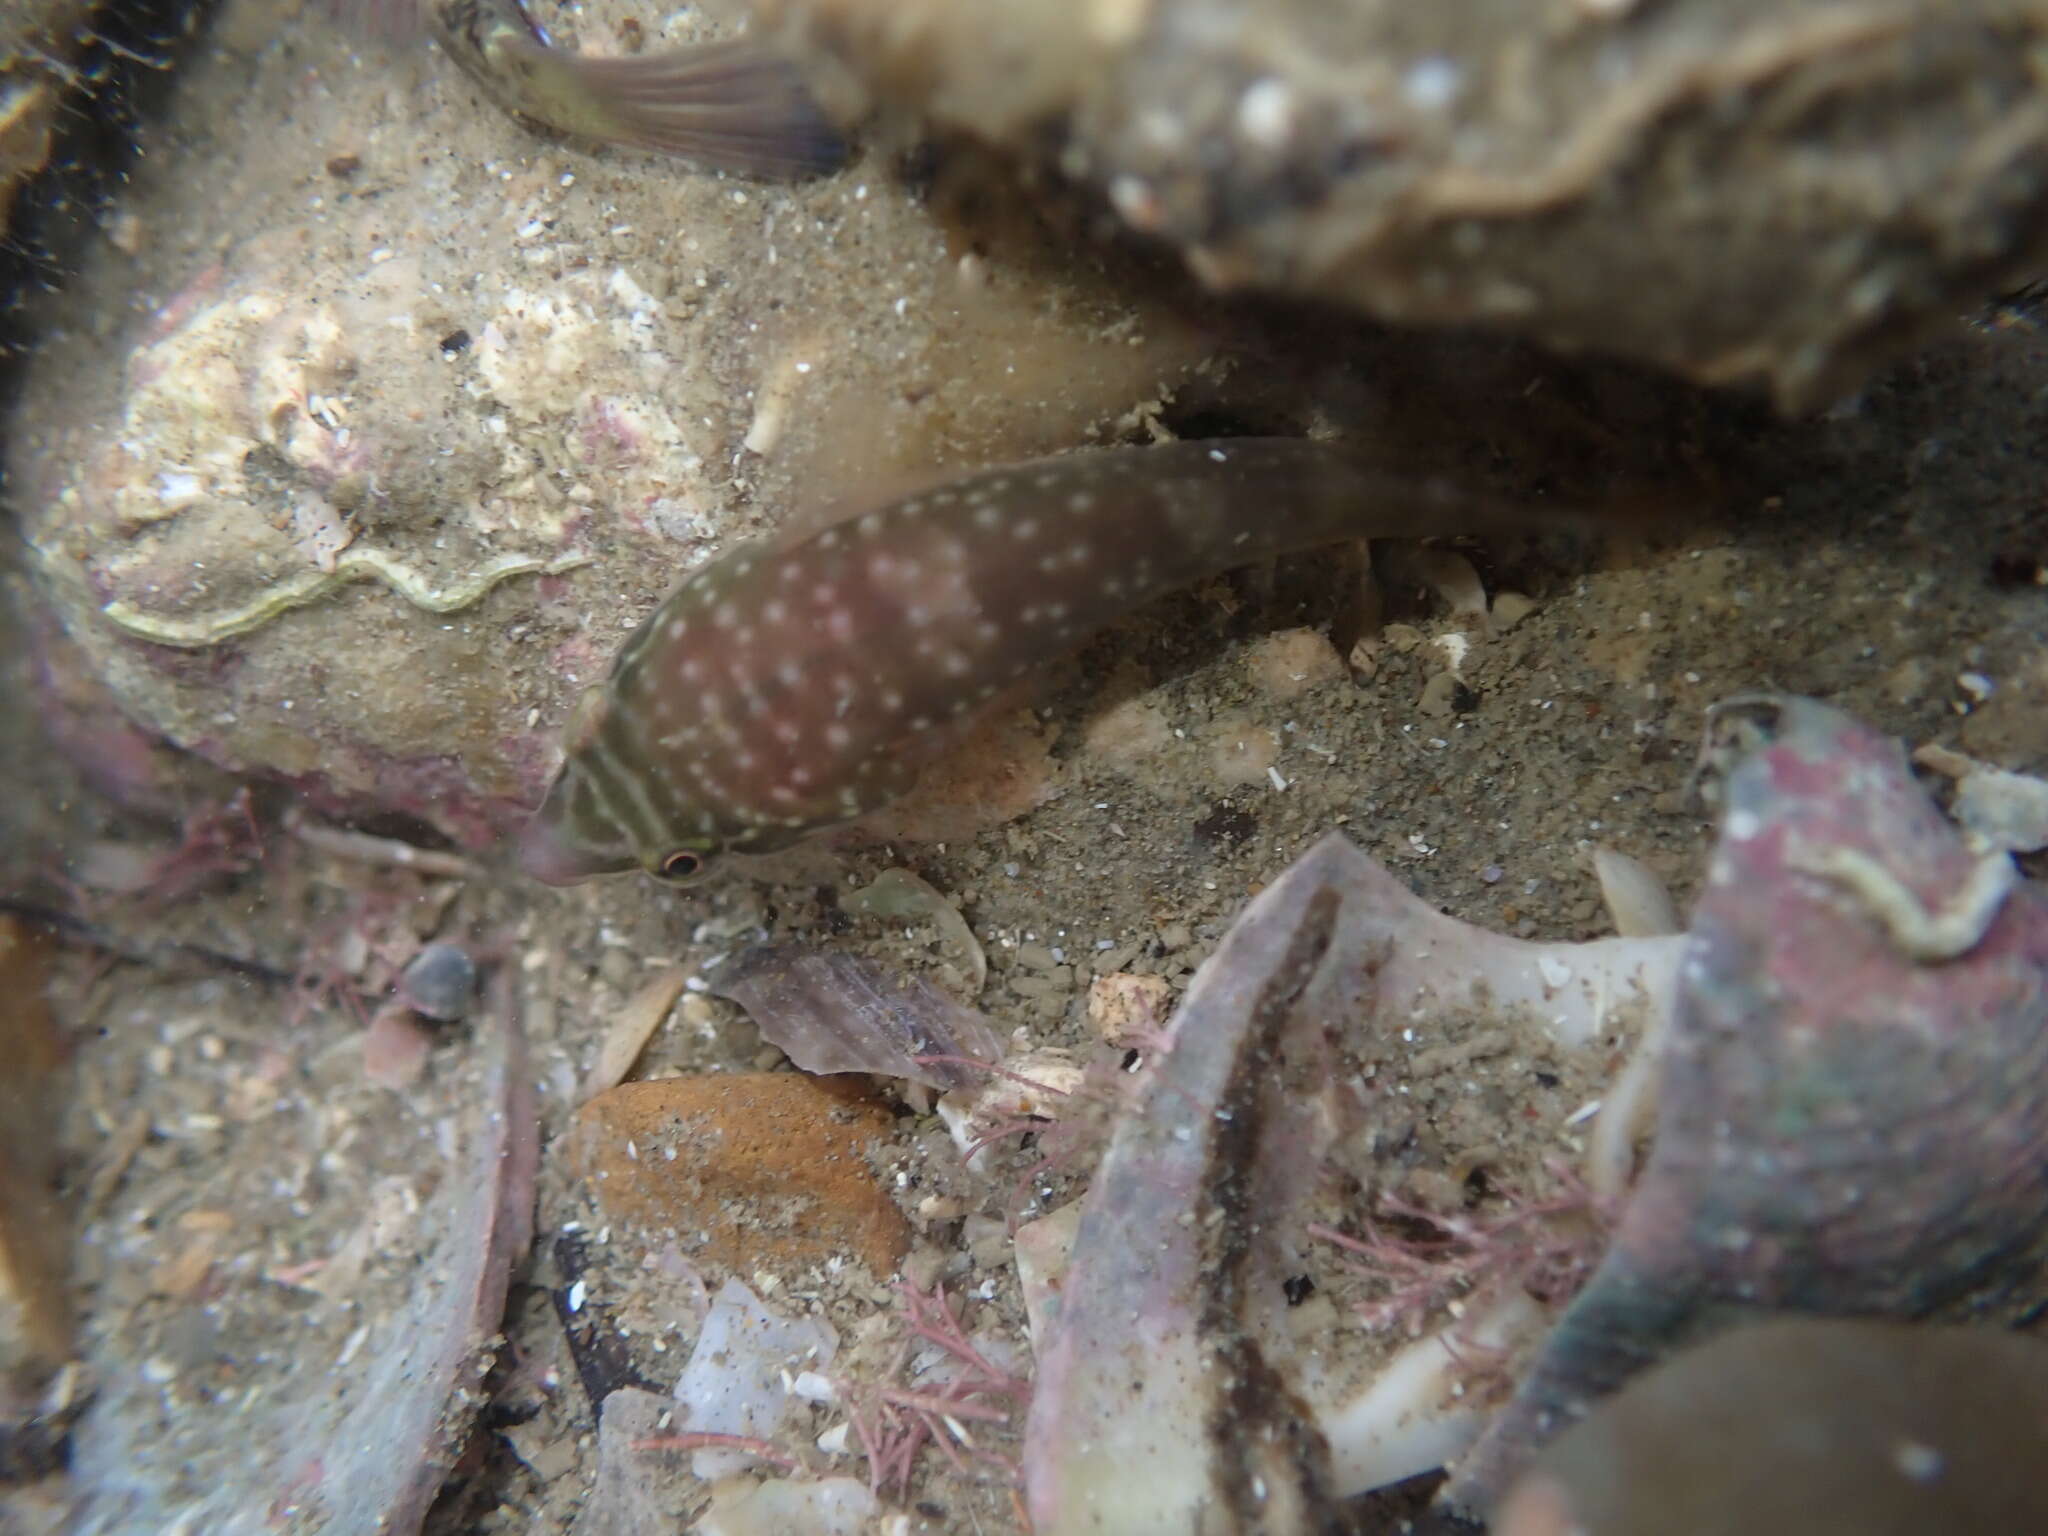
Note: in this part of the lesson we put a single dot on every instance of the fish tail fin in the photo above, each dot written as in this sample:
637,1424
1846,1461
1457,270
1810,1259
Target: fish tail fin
734,106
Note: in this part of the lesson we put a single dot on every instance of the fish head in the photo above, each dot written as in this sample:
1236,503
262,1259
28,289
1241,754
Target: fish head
572,838
581,831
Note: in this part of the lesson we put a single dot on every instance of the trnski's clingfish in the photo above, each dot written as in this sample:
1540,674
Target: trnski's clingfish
732,106
775,694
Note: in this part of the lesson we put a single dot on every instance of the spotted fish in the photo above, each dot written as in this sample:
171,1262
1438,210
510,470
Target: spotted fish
773,695
735,106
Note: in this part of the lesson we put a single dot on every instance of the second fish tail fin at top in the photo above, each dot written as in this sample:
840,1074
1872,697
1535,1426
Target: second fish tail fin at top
734,106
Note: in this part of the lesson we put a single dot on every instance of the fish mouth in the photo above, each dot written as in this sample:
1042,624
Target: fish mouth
549,857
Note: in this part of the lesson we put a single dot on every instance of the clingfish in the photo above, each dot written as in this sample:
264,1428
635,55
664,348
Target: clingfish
776,694
733,106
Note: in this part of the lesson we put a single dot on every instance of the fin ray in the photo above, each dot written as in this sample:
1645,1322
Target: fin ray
734,105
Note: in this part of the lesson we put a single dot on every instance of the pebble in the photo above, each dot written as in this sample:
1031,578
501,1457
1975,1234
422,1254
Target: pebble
1292,662
439,982
1112,960
1128,1008
1241,750
1439,695
745,1171
395,1048
1509,609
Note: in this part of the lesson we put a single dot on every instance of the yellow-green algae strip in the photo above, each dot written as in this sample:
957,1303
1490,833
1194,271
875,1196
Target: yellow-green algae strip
308,586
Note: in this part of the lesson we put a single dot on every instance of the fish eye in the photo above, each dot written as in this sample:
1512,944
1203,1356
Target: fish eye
680,866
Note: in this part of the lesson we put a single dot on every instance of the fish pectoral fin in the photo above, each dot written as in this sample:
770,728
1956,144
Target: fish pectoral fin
733,106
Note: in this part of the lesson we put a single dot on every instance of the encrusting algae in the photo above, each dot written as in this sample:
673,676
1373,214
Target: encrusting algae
776,694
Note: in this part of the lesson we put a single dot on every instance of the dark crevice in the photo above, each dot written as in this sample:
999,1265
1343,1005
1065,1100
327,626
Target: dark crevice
117,80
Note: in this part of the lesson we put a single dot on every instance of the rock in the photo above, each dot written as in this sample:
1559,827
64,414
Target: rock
1627,178
377,480
745,1171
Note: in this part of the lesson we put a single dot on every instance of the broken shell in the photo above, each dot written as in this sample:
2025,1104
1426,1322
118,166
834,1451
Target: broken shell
632,1027
1853,1113
832,1012
1033,1086
1173,1316
1636,899
1827,1427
